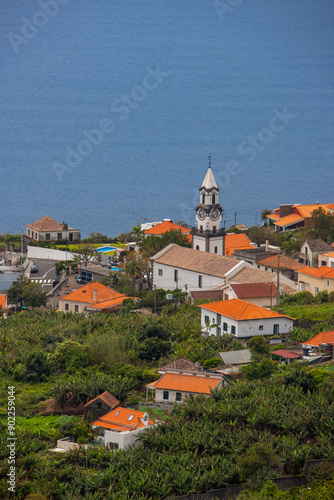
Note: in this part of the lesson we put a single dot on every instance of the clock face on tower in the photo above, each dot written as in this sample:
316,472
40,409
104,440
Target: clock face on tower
214,214
201,214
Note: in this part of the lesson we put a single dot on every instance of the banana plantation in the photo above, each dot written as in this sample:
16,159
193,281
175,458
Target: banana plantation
245,433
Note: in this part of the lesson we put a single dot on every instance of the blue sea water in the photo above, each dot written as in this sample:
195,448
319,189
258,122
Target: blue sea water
222,79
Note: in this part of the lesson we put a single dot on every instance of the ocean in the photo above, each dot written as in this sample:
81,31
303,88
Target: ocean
110,109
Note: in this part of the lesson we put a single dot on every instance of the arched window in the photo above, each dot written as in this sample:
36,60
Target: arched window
203,198
197,247
213,198
216,249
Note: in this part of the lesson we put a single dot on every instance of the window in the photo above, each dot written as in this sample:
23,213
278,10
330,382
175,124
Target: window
166,395
213,198
206,319
117,412
201,229
214,229
197,247
67,307
323,263
327,282
159,272
28,232
99,405
101,432
233,329
216,249
59,236
71,236
131,416
203,198
258,266
178,396
176,275
199,281
47,236
219,319
261,327
276,330
316,289
76,308
265,268
113,446
225,327
219,331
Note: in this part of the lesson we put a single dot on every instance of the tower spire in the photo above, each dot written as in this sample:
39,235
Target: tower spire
210,160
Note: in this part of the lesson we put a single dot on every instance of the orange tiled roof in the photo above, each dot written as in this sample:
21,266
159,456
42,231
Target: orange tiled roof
288,220
321,338
284,262
241,310
186,383
328,254
3,301
306,210
233,241
166,226
46,224
106,304
107,398
86,293
318,272
118,420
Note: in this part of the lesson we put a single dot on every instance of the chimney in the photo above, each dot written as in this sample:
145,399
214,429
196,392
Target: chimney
95,295
145,419
285,210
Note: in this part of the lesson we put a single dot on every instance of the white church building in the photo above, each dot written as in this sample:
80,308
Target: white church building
209,235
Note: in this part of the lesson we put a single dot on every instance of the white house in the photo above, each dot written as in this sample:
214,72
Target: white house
119,429
47,229
242,319
174,387
189,269
326,259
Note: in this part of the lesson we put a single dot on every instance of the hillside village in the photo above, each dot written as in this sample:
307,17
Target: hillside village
118,343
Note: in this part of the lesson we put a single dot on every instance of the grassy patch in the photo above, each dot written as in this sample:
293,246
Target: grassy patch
160,413
316,312
27,396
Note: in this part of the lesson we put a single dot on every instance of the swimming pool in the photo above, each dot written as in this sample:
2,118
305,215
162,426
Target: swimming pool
105,249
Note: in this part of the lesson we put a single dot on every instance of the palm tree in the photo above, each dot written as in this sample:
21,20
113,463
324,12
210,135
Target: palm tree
137,232
132,269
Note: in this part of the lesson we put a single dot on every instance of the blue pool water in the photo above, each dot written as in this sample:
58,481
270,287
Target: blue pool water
105,249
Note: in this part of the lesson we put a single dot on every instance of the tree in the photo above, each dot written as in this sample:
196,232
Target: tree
154,348
70,355
137,232
322,224
153,244
86,252
262,370
259,348
264,213
24,292
257,464
132,269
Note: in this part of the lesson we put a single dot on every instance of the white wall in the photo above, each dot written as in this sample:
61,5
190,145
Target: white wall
123,439
246,328
48,253
185,277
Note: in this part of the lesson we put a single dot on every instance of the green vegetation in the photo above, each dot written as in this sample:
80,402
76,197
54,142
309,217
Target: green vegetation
23,292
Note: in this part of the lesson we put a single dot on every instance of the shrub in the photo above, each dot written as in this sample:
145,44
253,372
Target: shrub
211,363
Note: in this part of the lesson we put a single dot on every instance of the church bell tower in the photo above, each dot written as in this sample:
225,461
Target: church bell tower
209,235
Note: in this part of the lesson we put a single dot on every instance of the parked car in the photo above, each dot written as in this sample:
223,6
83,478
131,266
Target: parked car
34,269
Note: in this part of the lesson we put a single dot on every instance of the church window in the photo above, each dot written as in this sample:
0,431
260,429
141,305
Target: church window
213,198
201,228
214,229
197,247
203,198
216,249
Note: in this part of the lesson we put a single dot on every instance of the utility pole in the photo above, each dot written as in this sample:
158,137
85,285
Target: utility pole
21,247
235,218
256,219
277,297
155,298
